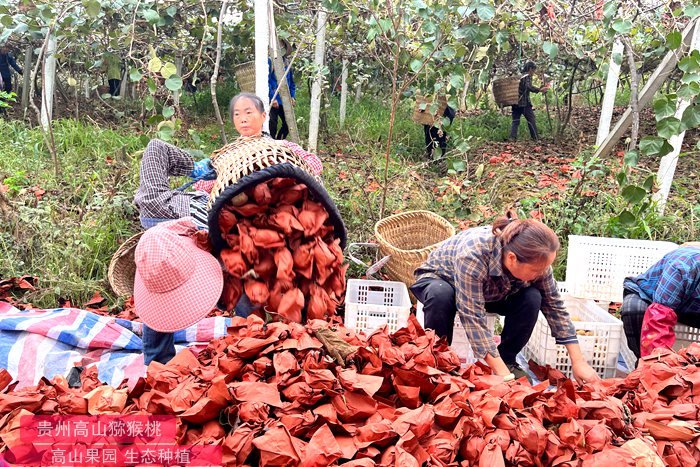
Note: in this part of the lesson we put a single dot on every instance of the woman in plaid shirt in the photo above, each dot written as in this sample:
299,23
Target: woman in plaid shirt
504,269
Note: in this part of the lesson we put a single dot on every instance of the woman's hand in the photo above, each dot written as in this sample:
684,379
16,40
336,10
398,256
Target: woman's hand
583,372
580,368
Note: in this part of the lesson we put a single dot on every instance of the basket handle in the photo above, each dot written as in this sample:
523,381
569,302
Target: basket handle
370,269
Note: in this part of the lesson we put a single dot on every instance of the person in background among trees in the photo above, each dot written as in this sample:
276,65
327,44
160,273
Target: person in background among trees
276,109
436,136
114,73
7,61
524,105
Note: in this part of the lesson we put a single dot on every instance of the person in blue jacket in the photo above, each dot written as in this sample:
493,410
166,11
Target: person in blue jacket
276,109
7,61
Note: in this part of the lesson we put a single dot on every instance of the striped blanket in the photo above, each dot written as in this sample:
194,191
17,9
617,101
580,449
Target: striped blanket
46,343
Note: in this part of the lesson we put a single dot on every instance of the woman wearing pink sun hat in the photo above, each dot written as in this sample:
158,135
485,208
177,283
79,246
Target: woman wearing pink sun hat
176,285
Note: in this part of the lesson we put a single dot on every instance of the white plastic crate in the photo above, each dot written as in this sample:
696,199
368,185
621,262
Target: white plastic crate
600,349
372,304
460,342
596,267
685,335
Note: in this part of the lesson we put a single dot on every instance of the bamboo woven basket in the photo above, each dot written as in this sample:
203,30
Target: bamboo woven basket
122,267
409,238
423,115
245,75
505,91
247,155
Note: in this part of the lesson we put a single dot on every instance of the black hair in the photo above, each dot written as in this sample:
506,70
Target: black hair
246,95
529,66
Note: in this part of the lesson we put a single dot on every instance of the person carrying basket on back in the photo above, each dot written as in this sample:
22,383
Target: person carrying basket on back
524,105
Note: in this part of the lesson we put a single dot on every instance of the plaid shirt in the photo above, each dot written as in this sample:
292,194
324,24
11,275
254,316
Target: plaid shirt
471,262
154,198
673,282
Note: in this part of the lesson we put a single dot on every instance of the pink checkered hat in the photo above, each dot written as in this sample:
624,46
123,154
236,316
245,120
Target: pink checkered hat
176,282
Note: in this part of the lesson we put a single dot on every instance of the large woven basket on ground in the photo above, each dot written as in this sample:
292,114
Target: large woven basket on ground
249,161
122,267
245,75
505,91
422,112
409,238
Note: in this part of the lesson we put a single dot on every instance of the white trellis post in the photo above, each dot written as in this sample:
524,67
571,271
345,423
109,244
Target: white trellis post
606,110
262,42
316,88
48,83
667,166
343,93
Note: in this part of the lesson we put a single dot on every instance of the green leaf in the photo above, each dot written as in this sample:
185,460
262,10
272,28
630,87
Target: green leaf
622,26
651,145
457,81
152,86
168,111
151,16
610,9
149,102
665,106
166,133
691,117
155,119
627,218
6,21
666,148
135,75
633,194
448,52
690,64
673,40
92,8
485,11
550,48
649,182
631,158
668,127
171,11
688,91
415,65
154,65
691,11
173,83
168,70
621,178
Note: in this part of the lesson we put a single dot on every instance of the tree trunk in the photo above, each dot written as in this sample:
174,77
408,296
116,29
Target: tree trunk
215,75
634,93
570,98
315,109
262,42
48,83
26,77
610,93
178,70
124,85
283,89
343,93
358,91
